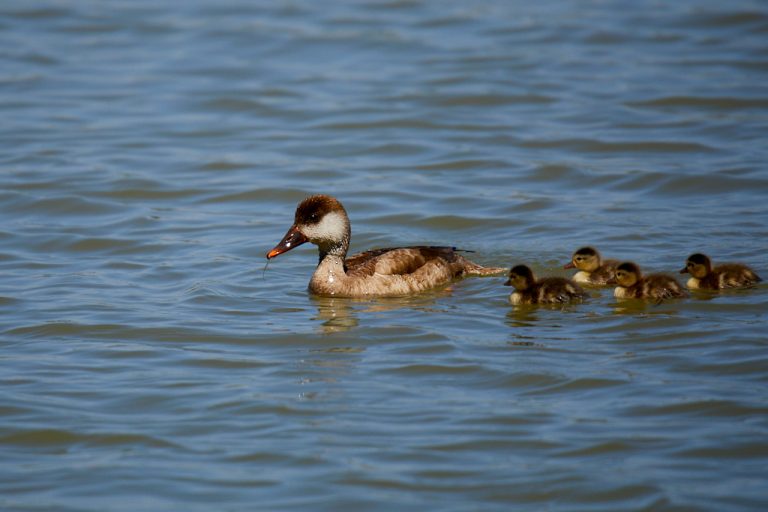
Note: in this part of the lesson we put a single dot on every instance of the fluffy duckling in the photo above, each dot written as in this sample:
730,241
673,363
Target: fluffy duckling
632,284
593,270
727,275
549,290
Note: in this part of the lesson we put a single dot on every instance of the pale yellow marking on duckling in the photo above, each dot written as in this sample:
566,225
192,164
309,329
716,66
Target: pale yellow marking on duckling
582,277
620,293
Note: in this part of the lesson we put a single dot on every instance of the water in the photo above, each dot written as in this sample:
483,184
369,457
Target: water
152,152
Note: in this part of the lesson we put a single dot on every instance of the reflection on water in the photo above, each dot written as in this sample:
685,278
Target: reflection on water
341,314
335,315
646,307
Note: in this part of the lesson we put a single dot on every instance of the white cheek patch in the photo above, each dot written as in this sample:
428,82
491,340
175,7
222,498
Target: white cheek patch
333,226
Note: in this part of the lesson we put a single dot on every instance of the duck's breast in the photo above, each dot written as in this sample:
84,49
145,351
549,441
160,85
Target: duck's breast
582,277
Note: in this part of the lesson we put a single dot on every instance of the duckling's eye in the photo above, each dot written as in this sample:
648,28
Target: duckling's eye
313,217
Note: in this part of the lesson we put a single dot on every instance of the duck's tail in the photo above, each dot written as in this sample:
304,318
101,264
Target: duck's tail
473,269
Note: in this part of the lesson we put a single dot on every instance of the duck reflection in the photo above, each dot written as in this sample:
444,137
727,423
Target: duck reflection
337,314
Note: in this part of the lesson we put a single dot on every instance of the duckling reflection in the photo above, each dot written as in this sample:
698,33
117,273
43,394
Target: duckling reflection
524,315
726,275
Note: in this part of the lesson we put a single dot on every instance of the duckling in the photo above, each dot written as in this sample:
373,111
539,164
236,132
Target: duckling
391,272
592,268
549,290
632,284
727,275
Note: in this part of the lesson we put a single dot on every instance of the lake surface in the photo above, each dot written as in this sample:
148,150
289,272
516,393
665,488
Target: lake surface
152,152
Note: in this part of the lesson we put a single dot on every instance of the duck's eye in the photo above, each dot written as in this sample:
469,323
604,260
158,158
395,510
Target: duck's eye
313,217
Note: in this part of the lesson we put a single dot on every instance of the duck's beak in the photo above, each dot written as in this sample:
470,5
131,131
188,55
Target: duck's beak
569,265
293,238
684,270
508,282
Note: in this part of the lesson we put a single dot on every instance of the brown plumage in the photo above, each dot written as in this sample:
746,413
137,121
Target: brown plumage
323,221
548,290
593,270
632,284
726,275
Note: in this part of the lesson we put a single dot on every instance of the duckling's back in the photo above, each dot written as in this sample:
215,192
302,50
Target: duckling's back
661,286
730,275
555,290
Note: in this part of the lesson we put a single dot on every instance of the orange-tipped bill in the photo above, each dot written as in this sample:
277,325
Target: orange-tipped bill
293,238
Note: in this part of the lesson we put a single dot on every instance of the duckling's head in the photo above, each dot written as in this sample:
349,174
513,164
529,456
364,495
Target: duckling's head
521,277
321,220
586,259
627,274
698,265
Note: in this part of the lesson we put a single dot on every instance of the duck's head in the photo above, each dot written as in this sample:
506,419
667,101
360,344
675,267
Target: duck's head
627,274
698,265
321,220
521,277
586,259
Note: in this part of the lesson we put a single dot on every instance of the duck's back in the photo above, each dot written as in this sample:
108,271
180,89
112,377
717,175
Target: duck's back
398,271
409,260
729,275
661,286
555,290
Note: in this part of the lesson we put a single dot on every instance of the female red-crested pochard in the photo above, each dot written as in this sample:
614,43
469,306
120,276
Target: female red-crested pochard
726,275
548,290
593,270
322,220
632,284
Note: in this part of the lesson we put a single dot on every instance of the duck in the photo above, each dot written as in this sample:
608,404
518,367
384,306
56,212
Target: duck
593,270
399,271
547,290
632,284
726,275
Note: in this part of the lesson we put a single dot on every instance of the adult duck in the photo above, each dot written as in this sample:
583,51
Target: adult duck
323,221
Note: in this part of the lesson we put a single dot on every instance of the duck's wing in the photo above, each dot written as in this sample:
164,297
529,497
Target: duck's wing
559,290
397,260
734,275
662,287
